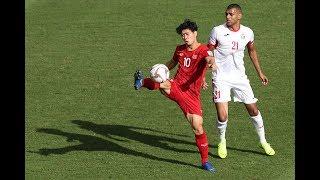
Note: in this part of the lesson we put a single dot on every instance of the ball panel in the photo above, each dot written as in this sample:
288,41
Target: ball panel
159,73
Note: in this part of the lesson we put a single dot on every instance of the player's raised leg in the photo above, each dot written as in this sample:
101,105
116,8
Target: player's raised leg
258,124
138,79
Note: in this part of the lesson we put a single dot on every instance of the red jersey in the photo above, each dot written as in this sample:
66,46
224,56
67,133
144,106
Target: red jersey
191,69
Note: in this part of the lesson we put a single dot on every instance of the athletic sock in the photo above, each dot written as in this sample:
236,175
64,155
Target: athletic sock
222,127
150,84
258,124
202,144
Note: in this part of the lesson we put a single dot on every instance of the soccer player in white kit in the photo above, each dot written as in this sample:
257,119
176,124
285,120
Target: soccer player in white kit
228,42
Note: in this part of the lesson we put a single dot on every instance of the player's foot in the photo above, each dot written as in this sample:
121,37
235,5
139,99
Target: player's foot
208,166
268,149
222,149
138,79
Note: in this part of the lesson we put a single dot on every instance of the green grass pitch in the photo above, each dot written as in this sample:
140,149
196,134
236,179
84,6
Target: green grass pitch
85,120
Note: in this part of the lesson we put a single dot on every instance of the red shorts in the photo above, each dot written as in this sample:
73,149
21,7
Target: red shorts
187,101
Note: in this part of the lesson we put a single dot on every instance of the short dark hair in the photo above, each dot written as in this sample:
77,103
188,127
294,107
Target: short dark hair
237,6
187,24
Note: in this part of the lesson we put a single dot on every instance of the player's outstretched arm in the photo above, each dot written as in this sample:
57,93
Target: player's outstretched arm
254,58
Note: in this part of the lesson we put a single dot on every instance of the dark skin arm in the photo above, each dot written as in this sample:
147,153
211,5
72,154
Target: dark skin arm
255,60
213,67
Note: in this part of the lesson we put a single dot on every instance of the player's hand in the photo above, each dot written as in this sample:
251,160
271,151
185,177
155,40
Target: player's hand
204,85
264,79
212,67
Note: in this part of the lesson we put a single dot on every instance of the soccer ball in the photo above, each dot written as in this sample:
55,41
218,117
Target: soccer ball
159,73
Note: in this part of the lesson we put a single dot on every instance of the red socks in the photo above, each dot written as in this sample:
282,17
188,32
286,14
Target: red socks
202,144
151,85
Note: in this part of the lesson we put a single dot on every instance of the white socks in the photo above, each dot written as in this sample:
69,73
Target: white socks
258,124
222,126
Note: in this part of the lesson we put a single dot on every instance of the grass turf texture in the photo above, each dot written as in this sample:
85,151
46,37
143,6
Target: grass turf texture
85,120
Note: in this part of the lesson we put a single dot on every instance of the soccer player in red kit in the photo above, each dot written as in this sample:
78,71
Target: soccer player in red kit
194,59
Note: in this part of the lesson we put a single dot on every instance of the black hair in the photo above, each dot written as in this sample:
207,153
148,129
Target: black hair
236,6
187,24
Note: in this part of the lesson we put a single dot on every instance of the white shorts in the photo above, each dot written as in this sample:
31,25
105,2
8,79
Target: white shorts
241,91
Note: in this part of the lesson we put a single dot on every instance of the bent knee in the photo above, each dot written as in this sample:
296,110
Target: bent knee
222,117
253,112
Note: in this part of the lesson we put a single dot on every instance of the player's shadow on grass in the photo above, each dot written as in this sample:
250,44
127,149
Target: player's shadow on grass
93,143
132,133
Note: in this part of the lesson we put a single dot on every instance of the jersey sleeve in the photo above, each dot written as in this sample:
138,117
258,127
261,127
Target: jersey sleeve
213,37
251,37
206,52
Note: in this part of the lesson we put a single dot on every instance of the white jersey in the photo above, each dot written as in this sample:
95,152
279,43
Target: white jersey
229,51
